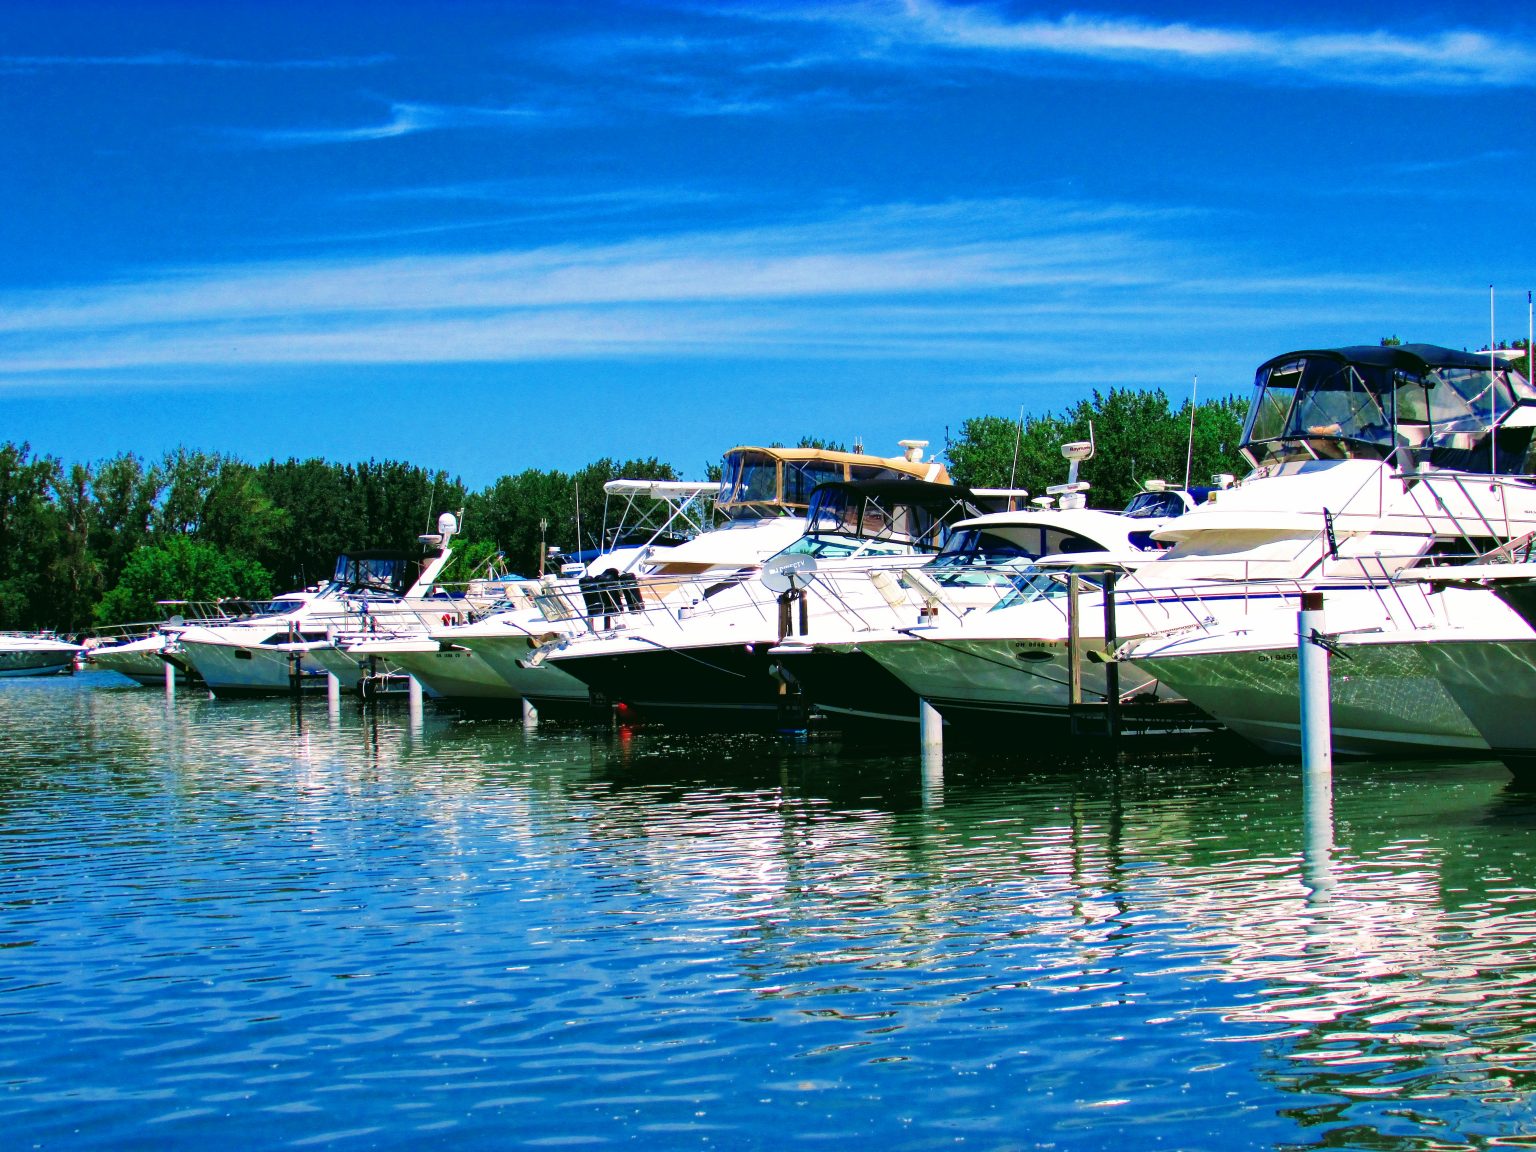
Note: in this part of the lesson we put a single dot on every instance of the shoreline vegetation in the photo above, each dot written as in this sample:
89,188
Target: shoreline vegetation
87,545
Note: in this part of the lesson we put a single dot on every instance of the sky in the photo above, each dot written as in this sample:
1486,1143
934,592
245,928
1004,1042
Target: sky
494,236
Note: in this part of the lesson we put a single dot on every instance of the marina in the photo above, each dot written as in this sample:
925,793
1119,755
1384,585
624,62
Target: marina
918,575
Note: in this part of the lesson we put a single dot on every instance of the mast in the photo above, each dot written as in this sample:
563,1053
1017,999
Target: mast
1493,429
1189,454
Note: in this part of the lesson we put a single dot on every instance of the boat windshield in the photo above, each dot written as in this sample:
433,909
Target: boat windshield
974,558
1334,406
879,517
1152,505
380,573
275,607
1322,407
749,481
1033,585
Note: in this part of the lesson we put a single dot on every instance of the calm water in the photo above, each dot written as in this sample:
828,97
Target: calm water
252,925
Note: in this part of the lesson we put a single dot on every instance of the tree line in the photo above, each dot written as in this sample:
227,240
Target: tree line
87,545
83,545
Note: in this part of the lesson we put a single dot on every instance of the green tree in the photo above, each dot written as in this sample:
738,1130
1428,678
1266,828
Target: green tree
124,492
74,572
1137,435
179,568
28,536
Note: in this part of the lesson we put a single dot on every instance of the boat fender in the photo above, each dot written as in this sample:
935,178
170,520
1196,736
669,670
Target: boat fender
447,619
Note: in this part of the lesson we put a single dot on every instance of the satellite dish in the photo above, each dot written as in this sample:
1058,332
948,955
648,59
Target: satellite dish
176,621
788,573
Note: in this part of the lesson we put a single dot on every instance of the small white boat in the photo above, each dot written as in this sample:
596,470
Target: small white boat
36,654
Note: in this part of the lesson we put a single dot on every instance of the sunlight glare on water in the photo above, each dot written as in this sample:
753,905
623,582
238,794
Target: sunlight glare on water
252,924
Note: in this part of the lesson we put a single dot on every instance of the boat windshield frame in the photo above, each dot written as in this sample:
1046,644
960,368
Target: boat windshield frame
763,482
882,518
389,573
1416,403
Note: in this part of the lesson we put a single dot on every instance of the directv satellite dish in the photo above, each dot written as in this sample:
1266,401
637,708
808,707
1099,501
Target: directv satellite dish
788,573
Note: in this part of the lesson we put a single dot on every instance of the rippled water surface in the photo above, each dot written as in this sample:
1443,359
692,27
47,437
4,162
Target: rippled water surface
258,925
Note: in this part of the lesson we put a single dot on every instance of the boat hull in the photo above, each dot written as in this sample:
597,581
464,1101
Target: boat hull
1386,699
847,685
231,670
36,662
717,684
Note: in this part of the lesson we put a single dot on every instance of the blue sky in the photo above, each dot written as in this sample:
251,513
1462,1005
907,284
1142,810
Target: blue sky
493,236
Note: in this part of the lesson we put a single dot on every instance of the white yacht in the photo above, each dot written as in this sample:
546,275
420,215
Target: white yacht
985,561
1366,460
709,652
273,650
763,496
36,654
141,659
479,656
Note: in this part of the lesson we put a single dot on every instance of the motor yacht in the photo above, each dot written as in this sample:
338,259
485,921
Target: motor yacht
273,650
761,503
36,654
985,560
707,653
1366,461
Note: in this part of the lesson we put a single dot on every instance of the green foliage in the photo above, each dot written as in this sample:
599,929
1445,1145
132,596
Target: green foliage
1138,437
510,510
29,536
179,568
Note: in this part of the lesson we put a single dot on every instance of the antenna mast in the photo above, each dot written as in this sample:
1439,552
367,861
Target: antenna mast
1189,452
1014,471
1493,428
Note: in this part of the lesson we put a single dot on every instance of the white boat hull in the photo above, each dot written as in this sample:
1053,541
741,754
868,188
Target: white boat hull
254,670
28,655
1386,699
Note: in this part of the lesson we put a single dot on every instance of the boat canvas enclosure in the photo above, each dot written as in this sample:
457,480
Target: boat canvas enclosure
871,516
1426,404
375,570
779,481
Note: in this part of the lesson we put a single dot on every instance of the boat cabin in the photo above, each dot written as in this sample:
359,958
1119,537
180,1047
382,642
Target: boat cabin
1416,404
758,482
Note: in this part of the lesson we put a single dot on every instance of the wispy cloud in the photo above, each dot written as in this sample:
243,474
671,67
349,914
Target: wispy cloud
404,120
1449,58
954,280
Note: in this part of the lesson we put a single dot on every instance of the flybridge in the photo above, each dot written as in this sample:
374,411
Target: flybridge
1419,404
759,482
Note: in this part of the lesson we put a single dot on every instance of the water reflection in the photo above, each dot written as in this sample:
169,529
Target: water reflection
367,931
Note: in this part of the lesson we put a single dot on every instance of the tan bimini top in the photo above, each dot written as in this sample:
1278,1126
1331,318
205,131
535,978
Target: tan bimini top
779,481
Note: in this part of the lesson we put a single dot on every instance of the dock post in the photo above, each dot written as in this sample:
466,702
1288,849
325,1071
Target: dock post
1316,750
413,697
1111,665
170,680
930,728
1074,642
333,694
1312,667
530,714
